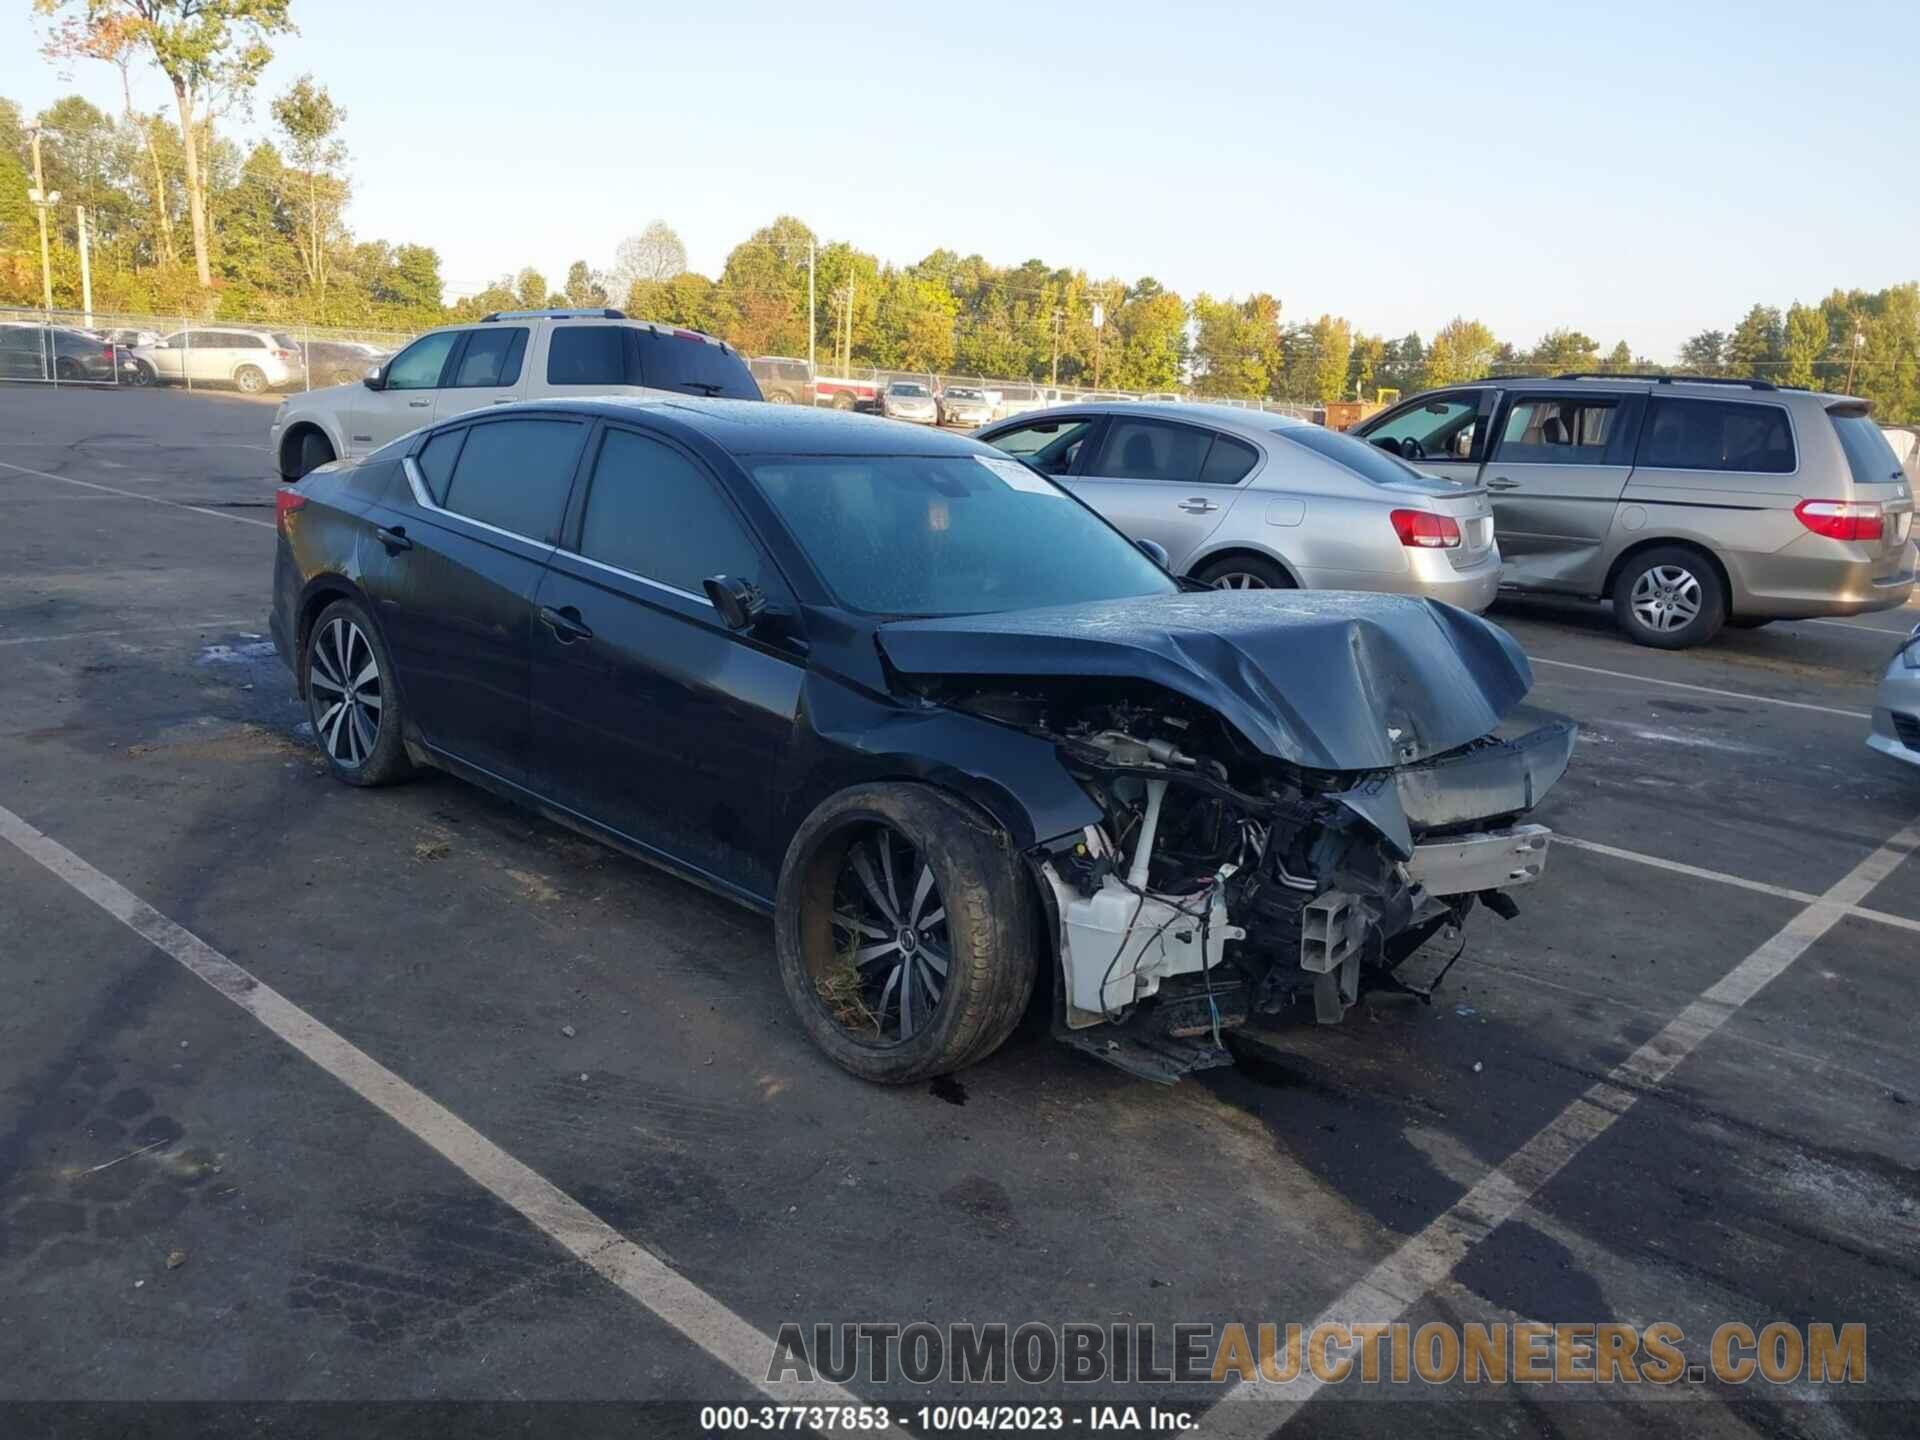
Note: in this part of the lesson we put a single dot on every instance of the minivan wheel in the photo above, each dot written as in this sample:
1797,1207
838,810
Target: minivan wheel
1244,572
251,379
351,698
905,932
1670,598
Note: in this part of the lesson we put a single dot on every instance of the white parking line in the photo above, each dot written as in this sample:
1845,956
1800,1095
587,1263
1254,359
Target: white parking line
131,630
1861,912
135,495
1856,625
656,1285
1703,689
1257,1408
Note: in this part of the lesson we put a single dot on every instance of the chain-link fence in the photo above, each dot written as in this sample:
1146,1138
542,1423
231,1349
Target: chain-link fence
104,348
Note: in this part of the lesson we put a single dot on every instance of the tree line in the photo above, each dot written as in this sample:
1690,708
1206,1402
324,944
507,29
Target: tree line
191,215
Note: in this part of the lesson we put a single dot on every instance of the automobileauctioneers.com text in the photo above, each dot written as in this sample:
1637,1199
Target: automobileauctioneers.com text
1327,1353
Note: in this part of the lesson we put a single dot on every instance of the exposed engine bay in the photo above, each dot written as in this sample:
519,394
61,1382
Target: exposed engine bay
1224,883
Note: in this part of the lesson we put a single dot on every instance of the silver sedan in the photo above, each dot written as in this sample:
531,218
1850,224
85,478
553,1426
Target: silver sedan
1896,709
1246,500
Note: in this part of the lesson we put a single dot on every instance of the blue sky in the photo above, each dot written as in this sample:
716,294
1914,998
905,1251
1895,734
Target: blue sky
1633,170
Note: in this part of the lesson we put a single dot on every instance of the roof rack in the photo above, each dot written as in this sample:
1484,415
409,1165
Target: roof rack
1660,379
601,314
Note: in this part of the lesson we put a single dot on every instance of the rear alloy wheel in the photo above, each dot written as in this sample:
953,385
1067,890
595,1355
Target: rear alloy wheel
141,375
842,400
779,397
351,698
251,379
905,932
1669,598
1244,572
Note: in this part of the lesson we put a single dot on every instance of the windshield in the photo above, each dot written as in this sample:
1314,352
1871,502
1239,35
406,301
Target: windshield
958,535
959,394
903,387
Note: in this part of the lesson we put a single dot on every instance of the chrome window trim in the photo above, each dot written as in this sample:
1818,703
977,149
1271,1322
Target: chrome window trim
630,575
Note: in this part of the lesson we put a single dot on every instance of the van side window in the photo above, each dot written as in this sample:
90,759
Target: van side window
1558,430
587,355
1717,435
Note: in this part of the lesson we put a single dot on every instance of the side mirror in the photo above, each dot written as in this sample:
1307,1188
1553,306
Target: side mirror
1156,552
376,378
740,603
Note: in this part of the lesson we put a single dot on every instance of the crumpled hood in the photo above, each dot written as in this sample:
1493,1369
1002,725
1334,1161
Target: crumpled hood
1327,680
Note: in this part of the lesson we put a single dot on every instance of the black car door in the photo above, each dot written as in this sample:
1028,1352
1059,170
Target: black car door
650,717
458,558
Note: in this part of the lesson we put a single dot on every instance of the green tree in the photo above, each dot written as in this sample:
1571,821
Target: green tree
530,288
584,289
310,121
1462,350
1805,342
1237,346
1705,353
1758,343
652,257
1563,352
201,46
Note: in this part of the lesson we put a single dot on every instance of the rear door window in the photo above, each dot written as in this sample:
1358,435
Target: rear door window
587,355
654,513
1558,430
515,474
492,357
1717,435
689,364
1151,450
1869,456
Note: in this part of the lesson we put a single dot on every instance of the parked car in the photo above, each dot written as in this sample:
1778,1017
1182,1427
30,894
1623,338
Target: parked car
507,356
782,381
52,352
1688,503
1024,400
131,339
965,406
1243,500
909,400
1896,709
251,361
954,732
334,362
846,393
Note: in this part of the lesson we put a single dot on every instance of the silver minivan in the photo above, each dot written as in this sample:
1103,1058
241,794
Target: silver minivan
1243,500
1689,503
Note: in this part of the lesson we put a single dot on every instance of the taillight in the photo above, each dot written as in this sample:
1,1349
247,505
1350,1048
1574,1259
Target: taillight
286,500
1423,530
286,354
1842,519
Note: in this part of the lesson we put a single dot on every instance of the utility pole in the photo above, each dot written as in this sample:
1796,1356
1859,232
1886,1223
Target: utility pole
811,328
43,202
86,268
1058,314
1854,359
846,367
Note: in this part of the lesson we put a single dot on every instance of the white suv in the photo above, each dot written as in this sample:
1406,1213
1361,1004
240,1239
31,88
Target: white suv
248,360
512,355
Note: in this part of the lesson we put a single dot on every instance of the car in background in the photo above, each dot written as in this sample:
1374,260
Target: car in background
1014,400
1689,503
55,353
965,406
131,339
334,362
1243,500
956,735
909,400
507,356
251,361
1896,708
782,379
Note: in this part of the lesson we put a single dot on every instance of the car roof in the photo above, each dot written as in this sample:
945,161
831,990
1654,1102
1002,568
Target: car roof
1698,387
1231,418
753,427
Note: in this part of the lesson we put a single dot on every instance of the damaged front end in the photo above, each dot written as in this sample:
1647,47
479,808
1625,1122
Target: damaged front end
1223,884
1296,791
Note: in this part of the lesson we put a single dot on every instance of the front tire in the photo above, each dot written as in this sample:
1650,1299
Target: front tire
312,451
1244,572
1669,597
352,699
905,932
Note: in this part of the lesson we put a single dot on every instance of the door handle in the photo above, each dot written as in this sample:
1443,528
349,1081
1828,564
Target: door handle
394,537
504,400
1503,484
1197,505
418,404
565,623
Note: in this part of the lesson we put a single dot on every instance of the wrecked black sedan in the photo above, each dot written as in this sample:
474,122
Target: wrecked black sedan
960,736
